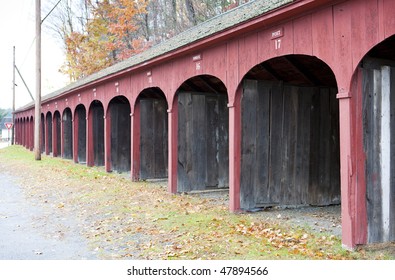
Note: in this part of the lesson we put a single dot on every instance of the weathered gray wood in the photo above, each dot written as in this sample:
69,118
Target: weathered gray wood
290,145
276,142
120,136
212,139
262,190
42,139
372,103
335,148
392,191
160,138
248,149
67,135
223,142
98,134
58,133
184,108
49,131
81,115
202,141
146,139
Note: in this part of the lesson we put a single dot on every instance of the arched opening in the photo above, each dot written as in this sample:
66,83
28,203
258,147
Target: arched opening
42,137
48,144
67,134
152,106
290,151
57,134
119,114
203,135
375,78
96,133
80,126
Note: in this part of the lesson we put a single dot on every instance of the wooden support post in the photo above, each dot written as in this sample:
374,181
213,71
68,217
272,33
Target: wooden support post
346,172
234,153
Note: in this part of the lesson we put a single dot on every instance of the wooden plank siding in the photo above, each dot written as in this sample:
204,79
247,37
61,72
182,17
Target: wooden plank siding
203,141
379,144
120,135
153,138
290,145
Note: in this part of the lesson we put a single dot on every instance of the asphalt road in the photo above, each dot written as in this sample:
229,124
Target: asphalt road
27,232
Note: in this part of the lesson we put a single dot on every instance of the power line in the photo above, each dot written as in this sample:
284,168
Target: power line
27,54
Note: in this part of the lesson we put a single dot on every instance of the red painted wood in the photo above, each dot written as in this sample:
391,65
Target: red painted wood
235,152
388,17
302,30
364,21
361,223
249,46
342,45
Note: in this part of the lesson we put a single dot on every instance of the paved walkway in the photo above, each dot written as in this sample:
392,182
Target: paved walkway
28,233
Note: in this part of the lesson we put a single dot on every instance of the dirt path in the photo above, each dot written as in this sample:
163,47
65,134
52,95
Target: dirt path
29,233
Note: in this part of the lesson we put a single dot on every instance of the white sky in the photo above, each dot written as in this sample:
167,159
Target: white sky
17,28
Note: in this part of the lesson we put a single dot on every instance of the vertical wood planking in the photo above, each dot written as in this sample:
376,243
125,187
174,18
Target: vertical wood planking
160,138
323,34
262,191
146,139
289,145
392,170
385,158
203,141
223,142
198,140
248,149
212,131
334,139
372,131
275,141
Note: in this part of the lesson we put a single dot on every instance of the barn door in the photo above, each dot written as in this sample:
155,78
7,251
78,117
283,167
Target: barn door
202,141
290,145
379,145
153,138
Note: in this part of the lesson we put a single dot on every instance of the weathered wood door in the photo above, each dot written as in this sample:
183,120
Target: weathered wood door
290,145
153,138
379,145
203,141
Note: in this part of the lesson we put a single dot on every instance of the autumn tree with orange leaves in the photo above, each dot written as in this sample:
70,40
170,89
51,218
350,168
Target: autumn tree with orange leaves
98,33
110,36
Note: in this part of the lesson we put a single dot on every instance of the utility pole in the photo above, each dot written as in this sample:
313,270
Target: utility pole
13,98
37,106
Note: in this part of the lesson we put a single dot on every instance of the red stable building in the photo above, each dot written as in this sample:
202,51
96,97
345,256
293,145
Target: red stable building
282,102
